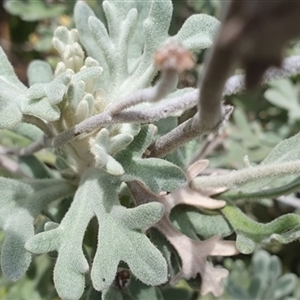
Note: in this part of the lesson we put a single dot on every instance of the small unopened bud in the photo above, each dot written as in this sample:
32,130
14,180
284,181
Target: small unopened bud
173,56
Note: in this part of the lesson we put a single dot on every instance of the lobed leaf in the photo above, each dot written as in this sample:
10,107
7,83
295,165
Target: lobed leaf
11,94
98,195
155,33
131,246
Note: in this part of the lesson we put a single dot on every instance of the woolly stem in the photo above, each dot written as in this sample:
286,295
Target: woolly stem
165,85
182,134
235,178
28,150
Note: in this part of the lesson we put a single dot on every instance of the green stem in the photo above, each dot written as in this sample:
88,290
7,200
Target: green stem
240,222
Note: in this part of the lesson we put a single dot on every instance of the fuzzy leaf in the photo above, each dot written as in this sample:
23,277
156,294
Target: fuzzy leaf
282,94
192,223
200,38
53,90
10,97
284,229
285,285
87,74
11,94
97,195
157,174
105,146
7,73
40,108
155,29
132,246
82,13
67,238
34,10
121,19
117,11
20,203
39,71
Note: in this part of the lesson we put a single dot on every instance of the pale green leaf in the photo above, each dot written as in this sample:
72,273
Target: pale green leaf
33,10
282,94
97,195
41,108
285,285
39,71
20,203
198,32
193,223
132,246
157,174
7,73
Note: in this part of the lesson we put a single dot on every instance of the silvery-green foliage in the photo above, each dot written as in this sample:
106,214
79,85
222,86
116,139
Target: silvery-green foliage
99,65
134,68
262,280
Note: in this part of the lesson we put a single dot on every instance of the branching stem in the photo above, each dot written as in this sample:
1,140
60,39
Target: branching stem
173,139
165,85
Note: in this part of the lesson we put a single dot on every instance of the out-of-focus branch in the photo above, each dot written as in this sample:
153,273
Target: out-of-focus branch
254,34
290,67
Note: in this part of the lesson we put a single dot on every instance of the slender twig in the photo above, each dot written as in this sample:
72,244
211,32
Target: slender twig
165,85
38,123
24,151
235,178
162,110
212,142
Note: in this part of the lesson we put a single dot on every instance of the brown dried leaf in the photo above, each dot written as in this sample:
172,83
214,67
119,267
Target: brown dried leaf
193,253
